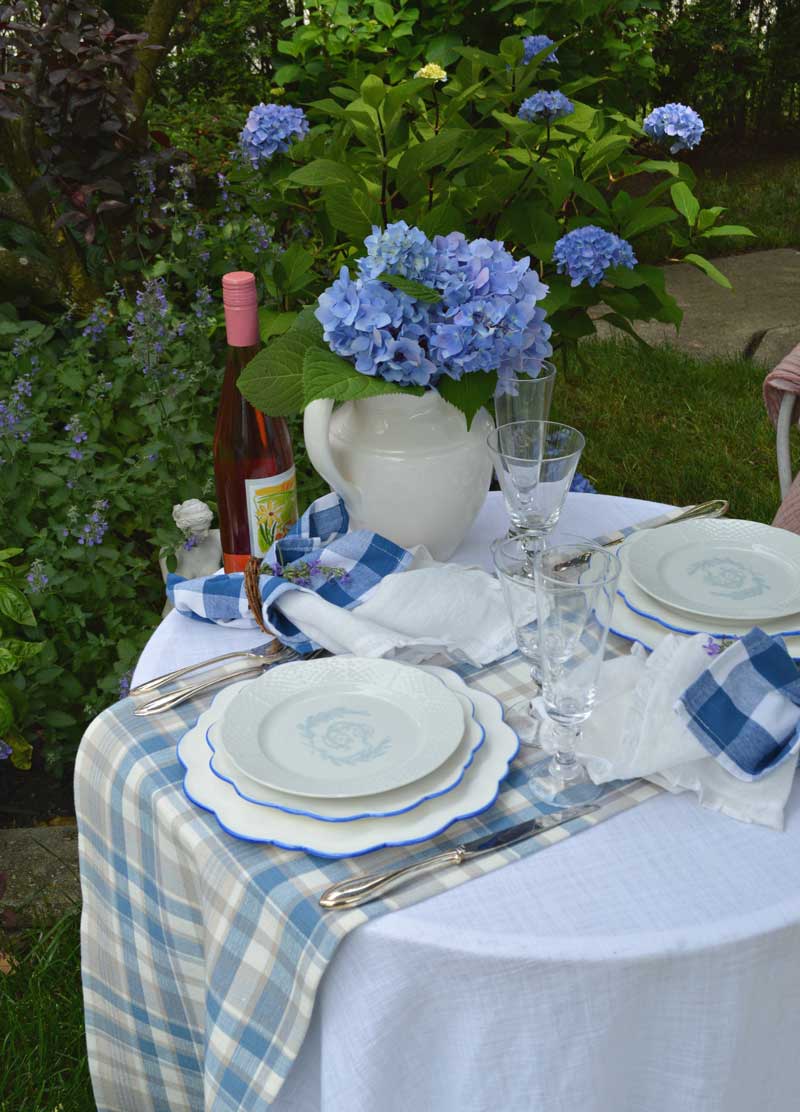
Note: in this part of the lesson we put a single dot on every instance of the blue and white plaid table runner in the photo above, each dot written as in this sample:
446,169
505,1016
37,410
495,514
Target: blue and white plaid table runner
202,954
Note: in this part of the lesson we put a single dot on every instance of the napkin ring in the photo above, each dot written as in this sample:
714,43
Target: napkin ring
252,573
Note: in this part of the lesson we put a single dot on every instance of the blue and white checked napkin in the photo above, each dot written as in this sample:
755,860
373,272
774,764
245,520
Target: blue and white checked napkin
342,567
342,592
724,727
745,707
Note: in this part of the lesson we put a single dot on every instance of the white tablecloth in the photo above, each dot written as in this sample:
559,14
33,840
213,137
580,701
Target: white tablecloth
650,965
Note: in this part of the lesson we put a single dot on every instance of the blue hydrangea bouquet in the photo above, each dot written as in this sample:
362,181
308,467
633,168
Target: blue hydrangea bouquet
459,316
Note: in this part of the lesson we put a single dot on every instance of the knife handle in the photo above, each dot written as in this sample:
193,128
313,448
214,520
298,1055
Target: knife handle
361,889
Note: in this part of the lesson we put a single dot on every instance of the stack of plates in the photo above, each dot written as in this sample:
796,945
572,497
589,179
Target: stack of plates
345,755
714,576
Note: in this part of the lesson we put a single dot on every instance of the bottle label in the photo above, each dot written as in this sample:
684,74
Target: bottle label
271,509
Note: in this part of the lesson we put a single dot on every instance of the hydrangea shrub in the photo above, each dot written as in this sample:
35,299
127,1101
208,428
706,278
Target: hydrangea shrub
426,171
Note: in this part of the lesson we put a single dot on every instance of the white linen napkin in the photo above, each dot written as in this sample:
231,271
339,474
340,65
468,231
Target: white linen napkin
413,615
635,731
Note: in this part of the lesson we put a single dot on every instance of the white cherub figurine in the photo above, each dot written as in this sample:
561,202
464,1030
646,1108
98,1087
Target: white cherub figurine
201,552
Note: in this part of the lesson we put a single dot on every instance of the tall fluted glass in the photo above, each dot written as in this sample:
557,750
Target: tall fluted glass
575,586
530,400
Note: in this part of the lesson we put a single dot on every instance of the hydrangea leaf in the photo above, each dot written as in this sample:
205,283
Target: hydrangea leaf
433,152
272,322
326,375
273,380
417,290
292,269
709,269
351,211
441,220
324,171
685,202
373,89
470,393
605,151
729,230
649,218
625,326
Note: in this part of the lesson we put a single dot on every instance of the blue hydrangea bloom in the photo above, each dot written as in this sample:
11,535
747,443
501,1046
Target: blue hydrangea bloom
582,485
587,253
399,250
381,330
535,44
487,320
676,124
544,107
269,130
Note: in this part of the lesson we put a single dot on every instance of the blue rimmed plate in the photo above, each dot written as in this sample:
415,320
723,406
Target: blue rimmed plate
638,617
436,783
341,727
476,792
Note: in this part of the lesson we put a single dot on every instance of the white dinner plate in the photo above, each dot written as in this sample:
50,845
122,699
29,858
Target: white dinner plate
438,782
719,568
638,617
475,793
341,727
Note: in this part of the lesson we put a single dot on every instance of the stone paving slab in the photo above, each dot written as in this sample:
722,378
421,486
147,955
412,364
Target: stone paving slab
758,319
41,866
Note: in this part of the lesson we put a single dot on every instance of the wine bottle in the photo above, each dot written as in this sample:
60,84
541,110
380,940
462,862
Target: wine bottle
253,463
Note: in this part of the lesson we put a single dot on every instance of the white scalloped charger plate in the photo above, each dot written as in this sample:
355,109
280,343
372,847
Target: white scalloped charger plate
719,568
341,727
476,792
438,782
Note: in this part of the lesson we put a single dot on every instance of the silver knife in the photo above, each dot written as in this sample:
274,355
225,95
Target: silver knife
360,890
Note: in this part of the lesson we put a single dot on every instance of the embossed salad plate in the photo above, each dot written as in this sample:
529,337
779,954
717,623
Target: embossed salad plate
442,780
341,727
476,791
719,568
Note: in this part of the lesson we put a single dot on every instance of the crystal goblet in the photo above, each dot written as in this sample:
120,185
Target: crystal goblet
535,462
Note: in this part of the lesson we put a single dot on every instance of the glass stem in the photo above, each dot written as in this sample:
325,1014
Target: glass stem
564,764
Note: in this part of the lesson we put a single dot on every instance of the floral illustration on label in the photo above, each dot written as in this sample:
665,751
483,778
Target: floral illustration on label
338,736
732,579
271,509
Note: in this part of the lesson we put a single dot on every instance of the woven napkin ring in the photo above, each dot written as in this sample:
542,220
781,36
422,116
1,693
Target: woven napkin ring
251,576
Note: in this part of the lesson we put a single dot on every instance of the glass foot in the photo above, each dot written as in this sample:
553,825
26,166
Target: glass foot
525,723
549,783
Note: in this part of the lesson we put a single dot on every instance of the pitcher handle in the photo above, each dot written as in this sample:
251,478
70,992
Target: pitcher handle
316,433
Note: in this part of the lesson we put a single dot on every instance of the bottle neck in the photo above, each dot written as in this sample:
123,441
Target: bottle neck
241,327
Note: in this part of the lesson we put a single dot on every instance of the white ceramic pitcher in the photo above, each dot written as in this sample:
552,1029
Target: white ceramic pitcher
406,467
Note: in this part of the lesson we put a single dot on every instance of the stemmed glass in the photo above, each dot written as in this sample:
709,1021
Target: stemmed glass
514,568
575,586
535,462
530,400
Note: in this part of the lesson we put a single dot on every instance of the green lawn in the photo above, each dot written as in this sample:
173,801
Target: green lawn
763,195
42,1050
668,427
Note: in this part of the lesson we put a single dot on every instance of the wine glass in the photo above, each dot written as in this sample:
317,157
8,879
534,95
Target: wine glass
575,586
535,462
530,400
515,572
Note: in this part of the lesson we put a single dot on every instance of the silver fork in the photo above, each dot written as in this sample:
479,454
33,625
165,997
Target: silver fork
260,652
183,694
